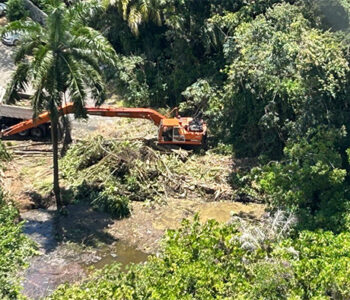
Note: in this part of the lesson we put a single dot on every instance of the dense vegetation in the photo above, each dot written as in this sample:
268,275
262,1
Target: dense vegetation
231,262
271,77
15,247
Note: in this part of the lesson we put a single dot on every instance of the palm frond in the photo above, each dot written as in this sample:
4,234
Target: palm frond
94,82
86,57
58,25
41,65
134,19
19,83
88,38
24,27
76,88
124,4
84,11
39,99
25,48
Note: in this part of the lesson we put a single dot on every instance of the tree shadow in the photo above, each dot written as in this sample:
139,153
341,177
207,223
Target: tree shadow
77,223
39,200
241,167
39,225
80,223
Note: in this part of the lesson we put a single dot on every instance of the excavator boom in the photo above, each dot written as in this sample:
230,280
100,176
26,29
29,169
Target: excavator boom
141,113
180,131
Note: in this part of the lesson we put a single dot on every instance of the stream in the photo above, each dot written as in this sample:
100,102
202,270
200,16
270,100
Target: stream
58,263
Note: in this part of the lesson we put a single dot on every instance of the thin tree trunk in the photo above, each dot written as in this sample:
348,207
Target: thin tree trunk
67,138
56,186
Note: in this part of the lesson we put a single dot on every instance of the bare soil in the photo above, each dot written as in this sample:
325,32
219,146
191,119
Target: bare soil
29,169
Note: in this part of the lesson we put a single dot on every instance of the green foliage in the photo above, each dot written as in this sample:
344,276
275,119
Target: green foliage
106,198
321,264
197,98
16,10
309,180
131,80
15,247
103,285
4,155
285,77
173,40
209,261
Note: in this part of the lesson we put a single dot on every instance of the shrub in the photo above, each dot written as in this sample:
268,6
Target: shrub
208,262
16,10
15,247
4,156
309,180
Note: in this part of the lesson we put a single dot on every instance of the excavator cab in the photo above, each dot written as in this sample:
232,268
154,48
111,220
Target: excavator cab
181,131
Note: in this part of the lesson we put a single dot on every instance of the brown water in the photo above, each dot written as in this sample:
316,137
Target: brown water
122,253
59,263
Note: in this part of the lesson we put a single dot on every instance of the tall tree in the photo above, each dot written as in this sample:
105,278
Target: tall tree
61,58
136,12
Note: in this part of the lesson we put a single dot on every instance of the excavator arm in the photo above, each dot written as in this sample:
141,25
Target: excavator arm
141,113
172,131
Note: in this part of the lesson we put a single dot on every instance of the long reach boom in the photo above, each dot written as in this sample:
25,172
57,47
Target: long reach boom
171,130
142,113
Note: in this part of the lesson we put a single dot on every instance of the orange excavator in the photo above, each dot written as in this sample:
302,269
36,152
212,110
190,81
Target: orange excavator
172,131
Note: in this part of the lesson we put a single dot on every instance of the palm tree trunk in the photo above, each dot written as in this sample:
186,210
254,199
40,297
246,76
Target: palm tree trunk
67,139
54,139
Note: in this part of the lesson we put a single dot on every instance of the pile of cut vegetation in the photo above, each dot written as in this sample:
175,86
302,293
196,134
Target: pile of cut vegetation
110,173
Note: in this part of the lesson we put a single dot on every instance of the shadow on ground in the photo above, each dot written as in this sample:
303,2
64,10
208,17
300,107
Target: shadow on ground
83,225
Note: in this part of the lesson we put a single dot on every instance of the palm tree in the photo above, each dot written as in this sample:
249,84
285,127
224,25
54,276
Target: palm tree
61,59
136,12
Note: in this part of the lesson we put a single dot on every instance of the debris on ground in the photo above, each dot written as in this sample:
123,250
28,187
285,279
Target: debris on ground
111,173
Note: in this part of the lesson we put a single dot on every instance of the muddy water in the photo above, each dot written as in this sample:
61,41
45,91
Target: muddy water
65,262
